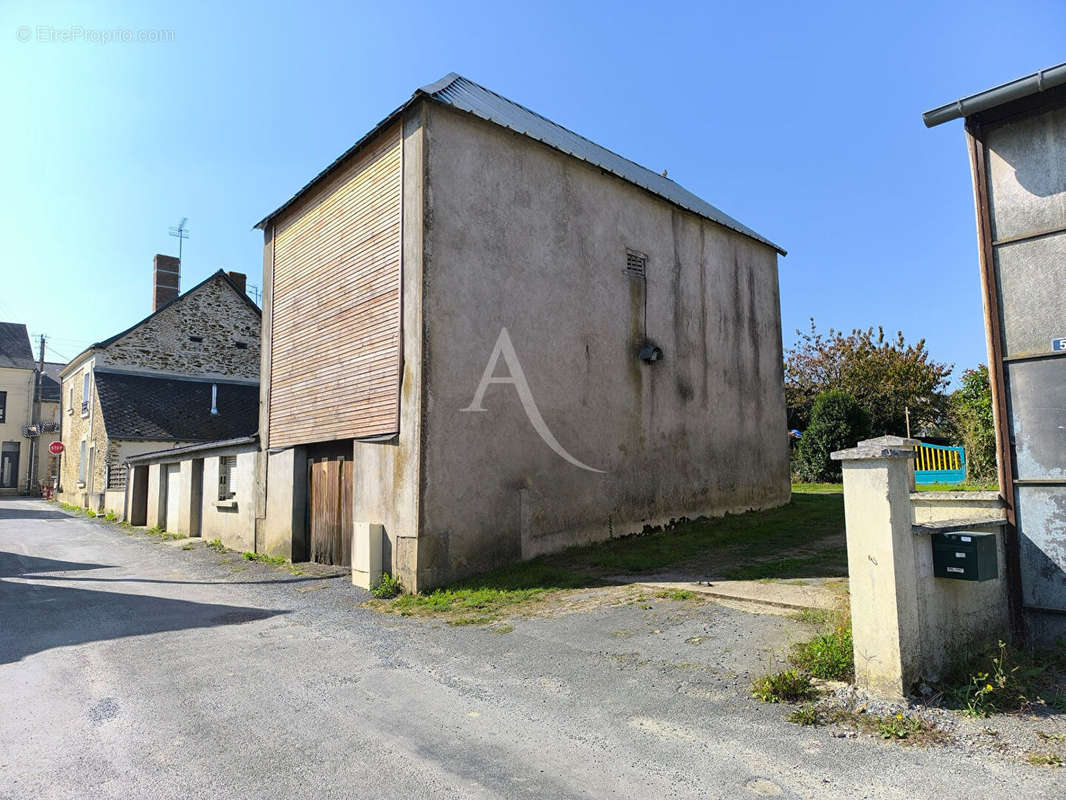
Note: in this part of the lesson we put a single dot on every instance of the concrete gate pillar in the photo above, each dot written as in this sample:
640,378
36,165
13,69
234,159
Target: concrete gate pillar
883,576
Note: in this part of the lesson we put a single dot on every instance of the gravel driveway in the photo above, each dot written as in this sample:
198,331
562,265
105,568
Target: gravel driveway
130,668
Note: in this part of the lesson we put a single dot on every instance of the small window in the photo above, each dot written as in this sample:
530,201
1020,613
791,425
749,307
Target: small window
85,394
241,345
227,473
70,398
3,406
196,339
636,264
81,463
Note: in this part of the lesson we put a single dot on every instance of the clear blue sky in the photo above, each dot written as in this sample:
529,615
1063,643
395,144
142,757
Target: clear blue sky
802,120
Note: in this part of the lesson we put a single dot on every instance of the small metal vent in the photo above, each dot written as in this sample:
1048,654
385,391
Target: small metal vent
636,264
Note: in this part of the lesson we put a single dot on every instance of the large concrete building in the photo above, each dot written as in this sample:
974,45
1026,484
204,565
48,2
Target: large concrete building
187,373
1016,135
494,338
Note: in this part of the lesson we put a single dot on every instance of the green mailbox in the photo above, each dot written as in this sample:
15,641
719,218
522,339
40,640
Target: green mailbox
965,556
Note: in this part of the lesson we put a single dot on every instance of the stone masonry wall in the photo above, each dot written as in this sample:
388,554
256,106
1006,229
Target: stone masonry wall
214,313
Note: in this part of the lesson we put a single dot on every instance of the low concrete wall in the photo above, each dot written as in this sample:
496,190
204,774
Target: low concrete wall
908,625
954,616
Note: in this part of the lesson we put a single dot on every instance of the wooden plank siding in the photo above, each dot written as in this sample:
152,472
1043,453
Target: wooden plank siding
335,305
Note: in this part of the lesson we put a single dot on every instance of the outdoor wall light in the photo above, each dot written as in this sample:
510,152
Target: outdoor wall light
649,354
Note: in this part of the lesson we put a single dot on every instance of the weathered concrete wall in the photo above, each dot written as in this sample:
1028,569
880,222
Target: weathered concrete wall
283,525
1027,197
521,237
18,383
215,313
156,496
232,521
386,476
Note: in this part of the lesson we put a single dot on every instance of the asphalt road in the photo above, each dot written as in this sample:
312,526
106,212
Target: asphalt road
133,669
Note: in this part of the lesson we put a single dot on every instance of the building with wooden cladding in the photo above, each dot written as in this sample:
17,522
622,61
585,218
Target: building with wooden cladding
185,374
486,337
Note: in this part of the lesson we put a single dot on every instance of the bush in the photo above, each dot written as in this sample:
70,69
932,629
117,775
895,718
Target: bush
971,414
386,587
837,422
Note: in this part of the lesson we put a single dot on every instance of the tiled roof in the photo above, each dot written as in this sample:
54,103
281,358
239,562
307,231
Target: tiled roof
167,409
15,346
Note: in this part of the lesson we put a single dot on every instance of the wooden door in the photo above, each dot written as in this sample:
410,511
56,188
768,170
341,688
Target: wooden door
330,506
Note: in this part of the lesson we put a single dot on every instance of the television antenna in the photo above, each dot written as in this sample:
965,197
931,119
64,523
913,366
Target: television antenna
181,233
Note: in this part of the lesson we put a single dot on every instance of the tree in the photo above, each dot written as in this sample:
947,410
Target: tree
971,413
837,422
885,375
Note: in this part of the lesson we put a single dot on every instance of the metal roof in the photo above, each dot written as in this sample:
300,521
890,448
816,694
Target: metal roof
996,96
463,94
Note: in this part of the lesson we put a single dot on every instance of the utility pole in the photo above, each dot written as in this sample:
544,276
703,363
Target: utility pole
907,414
35,419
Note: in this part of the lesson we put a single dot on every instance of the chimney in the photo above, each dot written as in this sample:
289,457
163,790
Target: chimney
166,280
240,280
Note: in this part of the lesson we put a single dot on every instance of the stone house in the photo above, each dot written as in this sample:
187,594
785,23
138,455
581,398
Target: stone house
187,373
638,326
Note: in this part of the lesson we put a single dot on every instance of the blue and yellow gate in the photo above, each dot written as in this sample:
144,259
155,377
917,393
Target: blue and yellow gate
938,463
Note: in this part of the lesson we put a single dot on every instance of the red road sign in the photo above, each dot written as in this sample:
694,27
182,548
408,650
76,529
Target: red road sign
55,448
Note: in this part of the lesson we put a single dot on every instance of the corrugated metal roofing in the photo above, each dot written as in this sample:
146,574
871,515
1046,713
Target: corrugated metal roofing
461,93
464,94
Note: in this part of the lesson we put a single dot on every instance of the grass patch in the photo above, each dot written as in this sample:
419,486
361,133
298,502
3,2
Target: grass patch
486,597
829,563
216,545
386,587
1005,679
262,558
676,594
789,686
815,512
817,488
111,516
809,516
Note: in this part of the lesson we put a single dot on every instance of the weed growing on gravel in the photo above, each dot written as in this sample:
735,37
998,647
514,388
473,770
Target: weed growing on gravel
263,558
1005,679
806,714
111,516
788,686
1044,760
216,545
898,726
829,656
386,587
